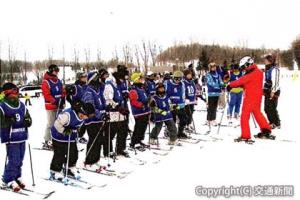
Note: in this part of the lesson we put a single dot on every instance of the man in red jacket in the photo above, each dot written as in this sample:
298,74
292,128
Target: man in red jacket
53,92
252,82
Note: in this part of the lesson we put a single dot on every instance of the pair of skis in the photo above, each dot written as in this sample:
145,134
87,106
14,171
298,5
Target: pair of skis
28,192
107,172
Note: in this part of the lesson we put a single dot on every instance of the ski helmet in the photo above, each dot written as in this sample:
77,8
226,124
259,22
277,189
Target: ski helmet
178,74
84,108
103,74
246,61
158,86
92,77
53,68
80,75
271,58
135,77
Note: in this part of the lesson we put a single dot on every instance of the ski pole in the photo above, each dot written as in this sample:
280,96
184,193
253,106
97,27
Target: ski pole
31,165
109,153
58,108
5,161
218,131
89,150
149,120
192,120
68,158
253,120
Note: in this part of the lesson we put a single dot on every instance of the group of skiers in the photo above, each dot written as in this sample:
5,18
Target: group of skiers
101,104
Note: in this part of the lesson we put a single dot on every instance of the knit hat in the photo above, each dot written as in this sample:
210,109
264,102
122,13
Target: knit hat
92,76
135,77
212,64
53,68
187,71
10,88
178,74
271,58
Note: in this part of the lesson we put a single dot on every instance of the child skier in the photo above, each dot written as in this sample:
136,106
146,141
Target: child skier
118,112
140,110
150,84
74,93
14,123
214,88
161,107
94,125
63,132
190,97
235,94
175,91
54,96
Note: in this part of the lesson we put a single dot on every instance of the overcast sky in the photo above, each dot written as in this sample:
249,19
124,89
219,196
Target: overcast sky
35,25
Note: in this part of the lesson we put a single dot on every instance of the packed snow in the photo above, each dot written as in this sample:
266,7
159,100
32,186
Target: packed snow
213,162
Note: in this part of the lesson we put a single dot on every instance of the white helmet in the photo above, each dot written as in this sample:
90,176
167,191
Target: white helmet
149,73
246,61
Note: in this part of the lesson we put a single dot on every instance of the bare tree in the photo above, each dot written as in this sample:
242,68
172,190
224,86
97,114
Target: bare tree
137,55
153,52
76,59
145,56
50,55
127,54
87,53
10,61
64,64
24,72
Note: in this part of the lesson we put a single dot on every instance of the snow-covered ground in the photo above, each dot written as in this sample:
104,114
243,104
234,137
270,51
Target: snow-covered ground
210,163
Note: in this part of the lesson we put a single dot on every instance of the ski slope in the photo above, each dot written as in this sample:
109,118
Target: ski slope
214,162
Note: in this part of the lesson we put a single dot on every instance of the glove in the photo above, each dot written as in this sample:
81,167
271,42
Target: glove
10,120
163,112
106,117
109,107
228,88
27,121
176,107
152,104
125,95
123,110
68,131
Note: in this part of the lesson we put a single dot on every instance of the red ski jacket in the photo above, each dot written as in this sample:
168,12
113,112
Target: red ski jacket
252,84
51,102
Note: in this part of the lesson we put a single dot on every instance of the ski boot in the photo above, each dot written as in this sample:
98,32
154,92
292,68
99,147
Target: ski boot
56,176
247,141
123,153
265,135
182,136
174,143
47,145
74,173
14,186
143,145
153,141
20,182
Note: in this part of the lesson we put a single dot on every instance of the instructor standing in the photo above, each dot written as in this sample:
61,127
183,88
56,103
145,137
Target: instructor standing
252,83
272,90
53,93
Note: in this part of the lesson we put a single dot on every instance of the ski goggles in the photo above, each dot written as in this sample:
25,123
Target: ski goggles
177,79
13,91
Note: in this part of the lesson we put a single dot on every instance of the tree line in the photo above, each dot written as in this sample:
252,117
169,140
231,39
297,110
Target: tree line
139,57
